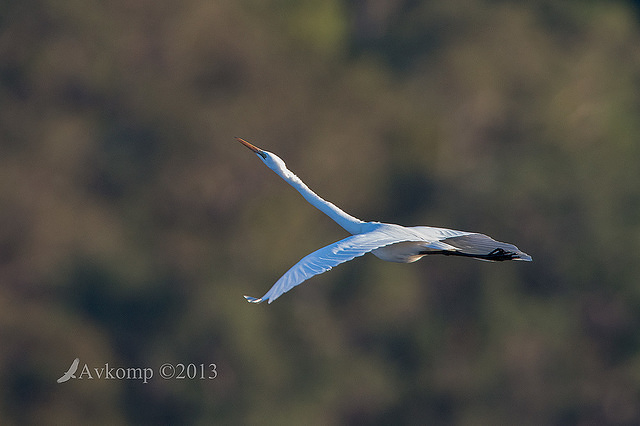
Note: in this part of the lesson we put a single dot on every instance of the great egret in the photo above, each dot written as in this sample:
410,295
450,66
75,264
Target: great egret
393,243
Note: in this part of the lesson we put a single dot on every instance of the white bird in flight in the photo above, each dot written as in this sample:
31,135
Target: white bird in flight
393,243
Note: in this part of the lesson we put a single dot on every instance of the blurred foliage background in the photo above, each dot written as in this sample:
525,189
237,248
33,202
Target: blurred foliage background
131,222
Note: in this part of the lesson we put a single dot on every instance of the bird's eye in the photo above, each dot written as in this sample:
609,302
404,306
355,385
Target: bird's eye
262,154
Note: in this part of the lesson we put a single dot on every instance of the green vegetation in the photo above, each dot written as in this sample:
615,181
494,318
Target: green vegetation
131,222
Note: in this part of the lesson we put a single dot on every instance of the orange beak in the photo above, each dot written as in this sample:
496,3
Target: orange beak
251,147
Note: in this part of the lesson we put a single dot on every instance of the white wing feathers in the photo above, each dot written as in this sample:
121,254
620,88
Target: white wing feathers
326,258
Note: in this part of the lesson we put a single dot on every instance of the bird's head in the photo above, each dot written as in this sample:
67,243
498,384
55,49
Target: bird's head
272,161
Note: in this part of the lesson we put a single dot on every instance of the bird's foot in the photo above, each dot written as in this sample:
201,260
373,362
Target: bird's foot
253,299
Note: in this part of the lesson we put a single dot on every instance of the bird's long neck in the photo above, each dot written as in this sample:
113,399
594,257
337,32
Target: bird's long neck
345,220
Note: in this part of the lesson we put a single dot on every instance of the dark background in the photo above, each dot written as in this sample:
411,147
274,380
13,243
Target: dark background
131,222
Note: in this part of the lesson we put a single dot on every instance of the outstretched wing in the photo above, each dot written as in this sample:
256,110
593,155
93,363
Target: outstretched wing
483,247
427,240
74,366
326,258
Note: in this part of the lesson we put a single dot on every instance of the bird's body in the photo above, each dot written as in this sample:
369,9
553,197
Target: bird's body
389,242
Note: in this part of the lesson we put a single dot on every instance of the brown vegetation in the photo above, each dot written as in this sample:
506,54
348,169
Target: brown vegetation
131,222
